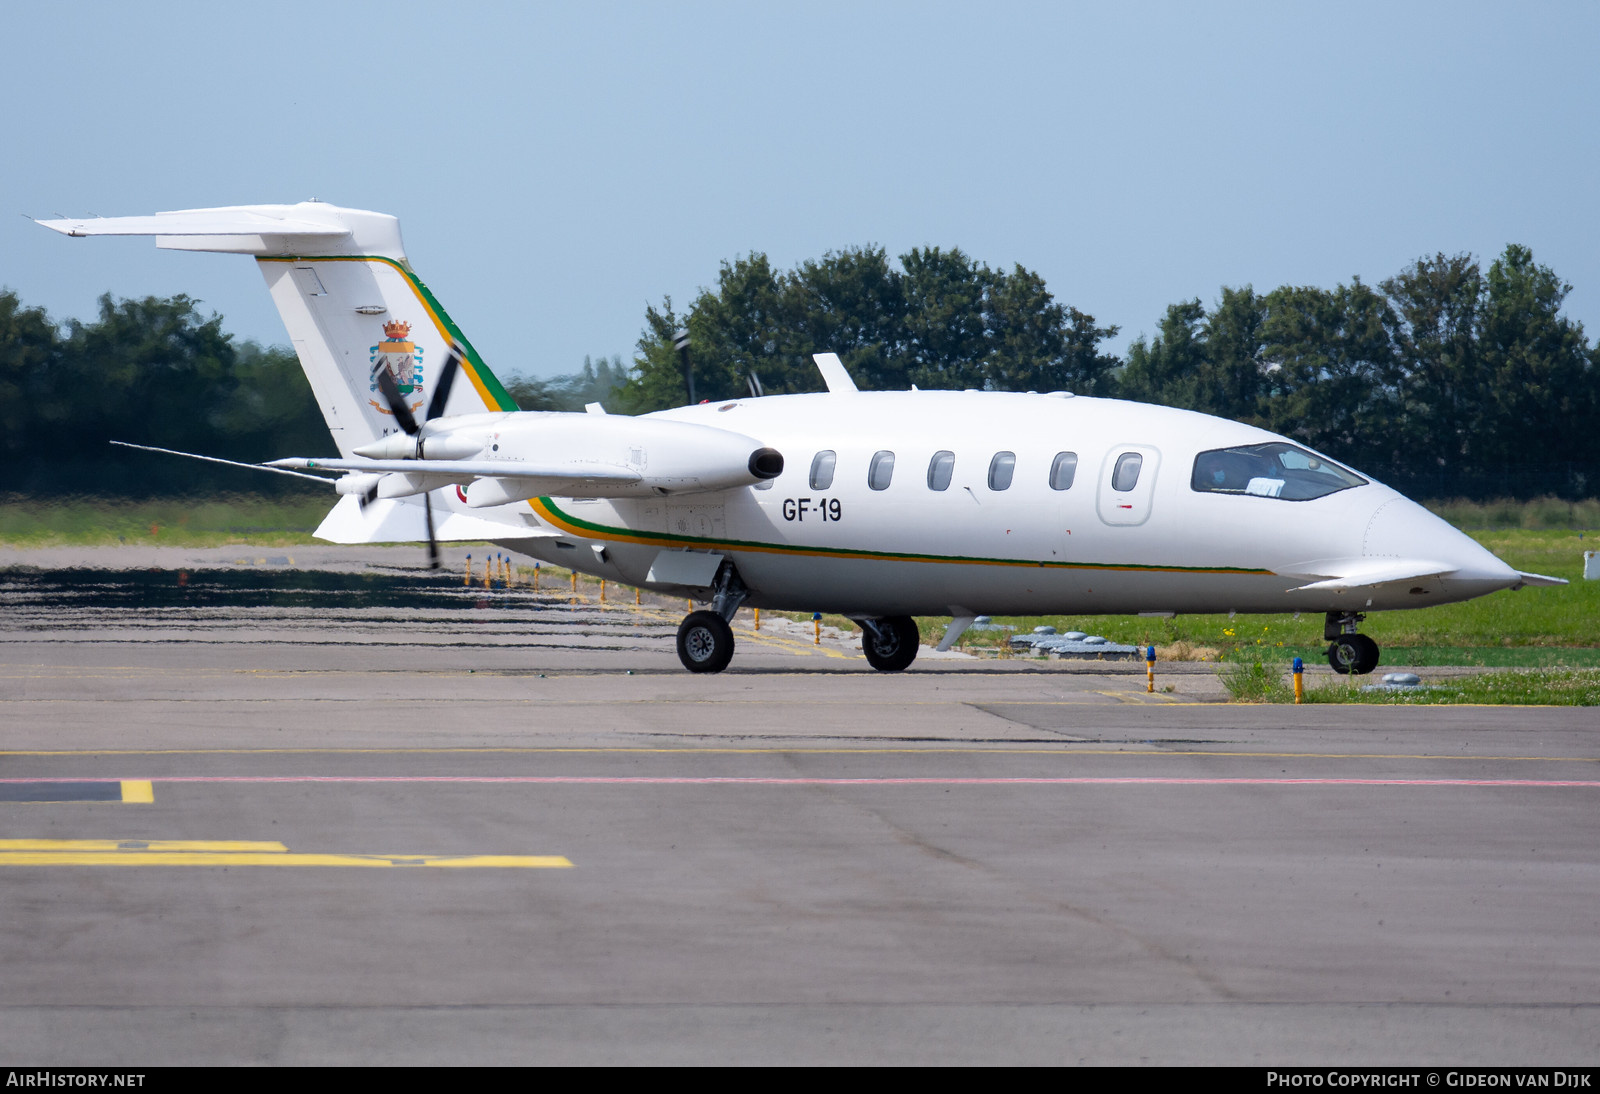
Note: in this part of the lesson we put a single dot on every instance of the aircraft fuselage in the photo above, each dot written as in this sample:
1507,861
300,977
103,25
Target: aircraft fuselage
839,544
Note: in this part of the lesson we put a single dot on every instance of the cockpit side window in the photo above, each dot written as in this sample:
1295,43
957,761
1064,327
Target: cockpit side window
1273,470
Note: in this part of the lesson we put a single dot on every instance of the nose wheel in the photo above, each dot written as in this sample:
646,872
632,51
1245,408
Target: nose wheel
1350,653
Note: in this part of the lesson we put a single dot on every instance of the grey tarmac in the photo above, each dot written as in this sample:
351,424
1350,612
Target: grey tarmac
798,860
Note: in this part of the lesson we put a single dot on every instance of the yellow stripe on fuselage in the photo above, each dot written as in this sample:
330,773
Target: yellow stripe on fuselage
554,516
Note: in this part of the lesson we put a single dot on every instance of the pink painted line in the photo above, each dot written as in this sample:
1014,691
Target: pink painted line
757,780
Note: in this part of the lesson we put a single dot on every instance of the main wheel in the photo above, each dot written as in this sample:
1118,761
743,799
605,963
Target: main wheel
1353,654
895,645
705,642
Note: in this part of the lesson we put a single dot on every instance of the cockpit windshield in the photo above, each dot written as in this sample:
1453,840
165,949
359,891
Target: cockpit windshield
1274,470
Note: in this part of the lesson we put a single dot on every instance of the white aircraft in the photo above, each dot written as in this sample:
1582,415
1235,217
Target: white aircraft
877,505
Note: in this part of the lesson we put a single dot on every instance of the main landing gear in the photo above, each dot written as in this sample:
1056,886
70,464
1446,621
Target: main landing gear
705,640
890,643
1350,653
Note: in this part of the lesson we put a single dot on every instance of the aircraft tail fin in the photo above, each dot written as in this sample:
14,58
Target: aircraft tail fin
348,297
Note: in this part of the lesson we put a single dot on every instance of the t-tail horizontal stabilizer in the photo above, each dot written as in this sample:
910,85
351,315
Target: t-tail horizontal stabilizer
355,312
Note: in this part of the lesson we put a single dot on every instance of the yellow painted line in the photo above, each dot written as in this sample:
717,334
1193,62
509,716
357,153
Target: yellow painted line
793,645
138,790
257,846
251,858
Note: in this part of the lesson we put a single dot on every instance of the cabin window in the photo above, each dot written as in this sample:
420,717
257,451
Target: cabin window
1274,470
881,470
1062,470
940,468
1126,474
822,469
1001,468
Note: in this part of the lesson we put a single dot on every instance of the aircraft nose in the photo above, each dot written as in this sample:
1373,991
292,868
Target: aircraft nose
1400,528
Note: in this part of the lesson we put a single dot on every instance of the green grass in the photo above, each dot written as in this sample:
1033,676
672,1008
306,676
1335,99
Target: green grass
1553,634
1533,627
1495,657
1505,513
170,522
1257,682
1530,627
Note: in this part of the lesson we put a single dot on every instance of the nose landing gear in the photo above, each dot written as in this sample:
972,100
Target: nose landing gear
1349,653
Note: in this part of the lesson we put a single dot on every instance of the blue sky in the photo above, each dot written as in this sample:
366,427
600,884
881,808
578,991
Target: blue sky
556,167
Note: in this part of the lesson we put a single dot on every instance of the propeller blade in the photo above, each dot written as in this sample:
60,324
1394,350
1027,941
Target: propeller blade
447,376
397,405
433,544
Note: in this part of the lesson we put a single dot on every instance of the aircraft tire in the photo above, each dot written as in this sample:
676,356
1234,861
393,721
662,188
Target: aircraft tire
1353,654
896,645
705,642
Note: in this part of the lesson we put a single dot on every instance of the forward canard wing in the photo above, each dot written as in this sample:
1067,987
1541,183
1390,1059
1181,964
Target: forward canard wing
1342,575
1335,575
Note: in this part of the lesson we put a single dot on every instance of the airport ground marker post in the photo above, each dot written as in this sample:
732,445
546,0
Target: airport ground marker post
1149,669
816,625
1299,683
467,579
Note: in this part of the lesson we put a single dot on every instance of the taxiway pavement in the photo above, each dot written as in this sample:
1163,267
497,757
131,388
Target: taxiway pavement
308,822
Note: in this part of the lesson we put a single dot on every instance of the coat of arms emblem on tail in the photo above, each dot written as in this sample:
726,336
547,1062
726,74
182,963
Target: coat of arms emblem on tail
402,358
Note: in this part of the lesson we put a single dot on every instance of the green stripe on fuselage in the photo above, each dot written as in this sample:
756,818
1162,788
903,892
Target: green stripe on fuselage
603,531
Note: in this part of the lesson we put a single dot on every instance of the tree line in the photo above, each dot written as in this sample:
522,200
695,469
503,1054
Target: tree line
1445,379
158,372
154,372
